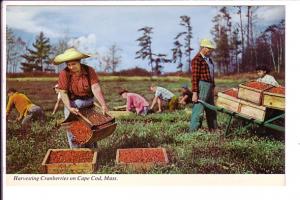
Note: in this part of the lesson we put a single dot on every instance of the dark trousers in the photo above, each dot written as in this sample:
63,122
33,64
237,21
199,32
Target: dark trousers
205,94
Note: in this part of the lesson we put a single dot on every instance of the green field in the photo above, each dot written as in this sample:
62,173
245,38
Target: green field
251,152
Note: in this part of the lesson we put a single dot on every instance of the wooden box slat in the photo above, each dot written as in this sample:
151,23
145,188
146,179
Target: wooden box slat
65,168
273,100
228,102
251,94
251,110
117,114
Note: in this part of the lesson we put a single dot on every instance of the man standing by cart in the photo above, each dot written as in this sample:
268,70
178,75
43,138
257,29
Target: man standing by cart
203,85
78,84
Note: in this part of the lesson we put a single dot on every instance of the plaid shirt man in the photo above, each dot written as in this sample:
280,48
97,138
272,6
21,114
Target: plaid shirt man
200,71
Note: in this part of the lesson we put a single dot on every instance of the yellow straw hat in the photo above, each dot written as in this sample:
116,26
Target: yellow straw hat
69,55
207,43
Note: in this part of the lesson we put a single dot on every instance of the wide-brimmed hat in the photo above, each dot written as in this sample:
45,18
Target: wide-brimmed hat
207,43
69,55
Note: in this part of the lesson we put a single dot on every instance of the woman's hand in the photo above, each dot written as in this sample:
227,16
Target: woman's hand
104,109
74,110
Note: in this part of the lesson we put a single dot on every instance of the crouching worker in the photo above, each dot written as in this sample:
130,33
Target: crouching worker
135,101
186,95
27,110
78,84
264,76
163,97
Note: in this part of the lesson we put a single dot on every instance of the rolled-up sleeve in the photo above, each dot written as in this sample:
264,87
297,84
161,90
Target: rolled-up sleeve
93,76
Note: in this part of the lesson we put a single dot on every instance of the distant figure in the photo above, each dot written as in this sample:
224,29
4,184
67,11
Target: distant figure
264,77
58,99
135,101
27,110
163,97
186,95
203,84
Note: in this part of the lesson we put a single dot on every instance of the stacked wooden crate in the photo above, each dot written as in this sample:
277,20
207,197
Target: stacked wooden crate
252,99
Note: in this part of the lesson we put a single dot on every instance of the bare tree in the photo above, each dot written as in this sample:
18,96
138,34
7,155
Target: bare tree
60,47
15,47
112,58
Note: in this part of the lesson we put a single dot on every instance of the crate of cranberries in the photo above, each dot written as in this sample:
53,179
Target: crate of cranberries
84,133
274,98
252,91
65,161
141,158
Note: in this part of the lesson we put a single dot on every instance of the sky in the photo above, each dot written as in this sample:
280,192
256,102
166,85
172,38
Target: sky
96,28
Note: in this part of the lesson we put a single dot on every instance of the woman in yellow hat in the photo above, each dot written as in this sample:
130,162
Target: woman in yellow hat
78,84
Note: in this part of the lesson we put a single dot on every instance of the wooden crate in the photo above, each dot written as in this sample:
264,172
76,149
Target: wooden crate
67,168
251,110
228,102
117,114
120,108
251,94
141,165
273,100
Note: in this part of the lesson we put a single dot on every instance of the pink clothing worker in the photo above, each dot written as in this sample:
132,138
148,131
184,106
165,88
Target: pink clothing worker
135,101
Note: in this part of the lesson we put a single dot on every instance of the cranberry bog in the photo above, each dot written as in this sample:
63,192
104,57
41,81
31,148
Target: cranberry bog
254,151
141,158
65,161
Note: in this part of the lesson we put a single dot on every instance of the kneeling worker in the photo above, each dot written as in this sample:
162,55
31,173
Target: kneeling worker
27,110
163,97
135,101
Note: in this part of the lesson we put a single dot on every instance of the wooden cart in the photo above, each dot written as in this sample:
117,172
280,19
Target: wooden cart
269,123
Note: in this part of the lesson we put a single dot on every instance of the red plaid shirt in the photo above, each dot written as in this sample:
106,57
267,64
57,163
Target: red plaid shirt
200,71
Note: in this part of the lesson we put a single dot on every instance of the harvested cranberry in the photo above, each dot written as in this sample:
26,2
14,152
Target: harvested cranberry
141,155
81,132
70,156
258,85
233,93
95,117
277,90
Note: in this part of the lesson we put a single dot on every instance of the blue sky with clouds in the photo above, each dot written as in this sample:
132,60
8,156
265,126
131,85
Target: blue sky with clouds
95,28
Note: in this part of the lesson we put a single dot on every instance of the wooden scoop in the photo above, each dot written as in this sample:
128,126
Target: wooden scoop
87,121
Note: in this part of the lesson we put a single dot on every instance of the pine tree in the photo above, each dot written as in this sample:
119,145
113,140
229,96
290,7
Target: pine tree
159,59
177,55
186,22
38,58
145,43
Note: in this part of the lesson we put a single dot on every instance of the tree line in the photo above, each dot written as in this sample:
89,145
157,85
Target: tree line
240,46
39,57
